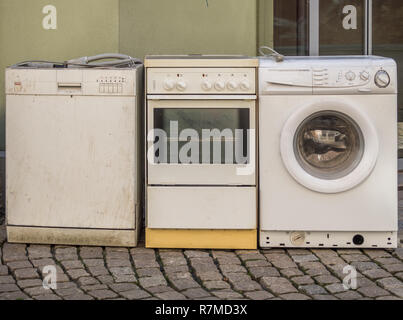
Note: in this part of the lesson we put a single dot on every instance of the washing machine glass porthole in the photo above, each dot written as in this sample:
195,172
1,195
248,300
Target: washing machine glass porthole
329,145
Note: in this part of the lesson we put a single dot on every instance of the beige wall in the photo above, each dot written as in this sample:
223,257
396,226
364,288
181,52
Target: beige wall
188,26
135,27
84,27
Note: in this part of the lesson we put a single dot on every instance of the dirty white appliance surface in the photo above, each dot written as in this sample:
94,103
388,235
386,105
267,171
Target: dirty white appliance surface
73,143
328,152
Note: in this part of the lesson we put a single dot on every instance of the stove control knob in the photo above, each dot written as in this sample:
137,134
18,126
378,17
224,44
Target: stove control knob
245,84
169,84
206,85
350,76
219,85
382,79
232,85
364,76
181,85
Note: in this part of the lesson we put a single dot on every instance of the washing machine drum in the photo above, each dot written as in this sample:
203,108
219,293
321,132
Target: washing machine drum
330,147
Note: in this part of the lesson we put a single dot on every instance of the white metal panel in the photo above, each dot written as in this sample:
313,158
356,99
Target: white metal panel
286,205
71,161
202,208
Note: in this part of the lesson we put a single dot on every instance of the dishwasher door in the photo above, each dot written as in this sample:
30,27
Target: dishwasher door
71,161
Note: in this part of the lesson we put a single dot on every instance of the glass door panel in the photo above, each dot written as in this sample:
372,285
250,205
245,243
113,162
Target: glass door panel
341,27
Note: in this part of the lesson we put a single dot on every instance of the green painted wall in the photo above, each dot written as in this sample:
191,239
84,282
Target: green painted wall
135,27
84,27
188,26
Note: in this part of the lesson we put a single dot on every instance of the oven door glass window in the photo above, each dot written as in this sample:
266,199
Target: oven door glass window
202,135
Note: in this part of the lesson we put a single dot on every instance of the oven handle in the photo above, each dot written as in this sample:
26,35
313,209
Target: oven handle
201,97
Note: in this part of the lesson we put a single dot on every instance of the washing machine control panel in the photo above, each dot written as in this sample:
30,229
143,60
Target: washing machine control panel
201,81
341,78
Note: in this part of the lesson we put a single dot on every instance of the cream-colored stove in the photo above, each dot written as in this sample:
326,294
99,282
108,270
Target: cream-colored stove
201,158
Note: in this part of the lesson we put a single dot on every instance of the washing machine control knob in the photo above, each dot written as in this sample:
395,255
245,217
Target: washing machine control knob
232,85
219,85
245,84
364,76
169,84
181,85
382,79
206,85
350,76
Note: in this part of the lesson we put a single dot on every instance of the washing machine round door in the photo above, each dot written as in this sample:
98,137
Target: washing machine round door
329,147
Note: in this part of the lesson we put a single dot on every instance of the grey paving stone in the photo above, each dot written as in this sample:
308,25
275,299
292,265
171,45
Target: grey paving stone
390,283
398,253
179,275
376,274
9,287
39,251
257,263
397,291
227,294
14,252
94,287
149,263
65,250
6,280
302,280
121,270
170,295
183,284
106,279
120,287
374,253
28,273
149,272
363,266
196,254
159,289
103,294
68,292
298,252
255,256
258,272
72,264
148,282
228,260
121,278
281,261
118,263
327,279
304,258
277,285
397,275
388,298
216,285
258,295
209,276
335,288
94,262
232,268
348,251
312,289
91,252
349,295
38,263
196,293
372,291
48,297
246,284
291,272
30,283
66,285
19,265
98,271
3,270
78,296
398,267
135,294
174,261
174,269
364,282
37,291
16,295
87,281
295,296
324,297
77,273
384,261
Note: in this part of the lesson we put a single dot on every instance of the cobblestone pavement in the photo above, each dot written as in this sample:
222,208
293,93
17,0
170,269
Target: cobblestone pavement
140,273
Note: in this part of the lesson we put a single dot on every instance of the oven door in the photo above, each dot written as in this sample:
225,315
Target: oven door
201,142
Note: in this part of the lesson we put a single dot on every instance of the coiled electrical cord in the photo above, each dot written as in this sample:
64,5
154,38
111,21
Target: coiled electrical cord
119,61
273,53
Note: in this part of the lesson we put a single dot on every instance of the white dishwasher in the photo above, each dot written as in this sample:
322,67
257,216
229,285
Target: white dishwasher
72,154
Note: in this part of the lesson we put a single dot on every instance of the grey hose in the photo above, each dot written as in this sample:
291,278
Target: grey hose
273,53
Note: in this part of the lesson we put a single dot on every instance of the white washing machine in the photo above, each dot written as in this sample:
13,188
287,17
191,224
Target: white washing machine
328,152
73,153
